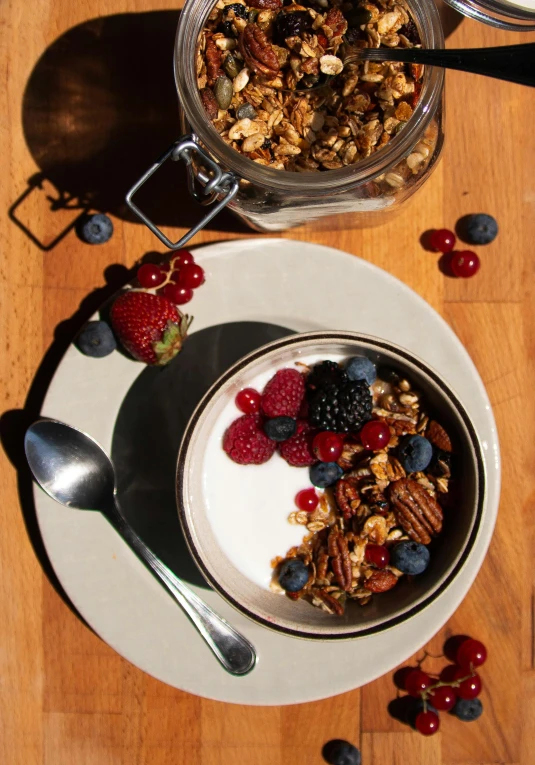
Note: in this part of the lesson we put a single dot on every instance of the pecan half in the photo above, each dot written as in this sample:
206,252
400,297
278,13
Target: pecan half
265,5
340,561
400,427
209,102
347,496
212,56
322,563
381,581
257,51
351,454
336,21
332,604
438,436
417,512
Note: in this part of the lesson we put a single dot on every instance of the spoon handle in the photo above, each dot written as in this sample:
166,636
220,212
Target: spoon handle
232,649
515,63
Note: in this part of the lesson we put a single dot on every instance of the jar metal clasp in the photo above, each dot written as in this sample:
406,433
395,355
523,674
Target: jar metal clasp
214,182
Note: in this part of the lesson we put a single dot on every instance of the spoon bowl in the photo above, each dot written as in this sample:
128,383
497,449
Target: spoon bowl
74,469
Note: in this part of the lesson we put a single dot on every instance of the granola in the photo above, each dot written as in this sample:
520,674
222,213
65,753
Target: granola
256,60
377,502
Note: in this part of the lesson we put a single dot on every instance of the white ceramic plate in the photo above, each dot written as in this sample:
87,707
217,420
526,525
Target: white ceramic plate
302,287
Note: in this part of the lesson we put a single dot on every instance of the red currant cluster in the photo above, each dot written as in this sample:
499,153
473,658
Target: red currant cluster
463,263
175,280
454,690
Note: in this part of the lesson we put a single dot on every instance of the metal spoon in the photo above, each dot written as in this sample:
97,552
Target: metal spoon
514,63
73,469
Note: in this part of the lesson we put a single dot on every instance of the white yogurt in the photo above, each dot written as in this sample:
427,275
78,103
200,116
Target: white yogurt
250,516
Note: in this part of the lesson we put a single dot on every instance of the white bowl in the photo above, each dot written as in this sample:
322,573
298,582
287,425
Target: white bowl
449,551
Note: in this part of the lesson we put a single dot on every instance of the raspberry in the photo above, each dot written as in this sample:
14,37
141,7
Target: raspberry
246,443
283,394
297,450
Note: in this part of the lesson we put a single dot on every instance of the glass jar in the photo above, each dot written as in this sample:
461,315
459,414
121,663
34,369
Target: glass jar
271,200
511,15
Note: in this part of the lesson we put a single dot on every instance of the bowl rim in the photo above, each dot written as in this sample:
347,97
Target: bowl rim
336,336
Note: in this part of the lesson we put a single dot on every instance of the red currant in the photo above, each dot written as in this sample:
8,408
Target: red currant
191,275
177,294
248,401
417,682
174,276
427,723
327,446
375,435
464,264
442,239
149,275
471,653
443,698
448,673
378,555
183,258
469,688
307,500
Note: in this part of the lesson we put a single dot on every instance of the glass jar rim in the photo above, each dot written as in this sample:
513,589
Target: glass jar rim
192,19
510,9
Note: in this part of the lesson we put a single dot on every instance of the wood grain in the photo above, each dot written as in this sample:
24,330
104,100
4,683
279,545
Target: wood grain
67,698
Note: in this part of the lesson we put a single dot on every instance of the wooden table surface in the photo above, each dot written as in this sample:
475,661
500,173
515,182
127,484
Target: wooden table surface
90,103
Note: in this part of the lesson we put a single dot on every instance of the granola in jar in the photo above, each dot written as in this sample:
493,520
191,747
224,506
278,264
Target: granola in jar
256,61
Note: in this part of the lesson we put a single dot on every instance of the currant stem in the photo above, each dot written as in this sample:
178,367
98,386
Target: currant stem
450,684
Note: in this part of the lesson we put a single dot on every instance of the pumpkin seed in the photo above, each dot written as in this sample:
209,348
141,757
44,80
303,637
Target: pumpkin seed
223,92
231,66
246,111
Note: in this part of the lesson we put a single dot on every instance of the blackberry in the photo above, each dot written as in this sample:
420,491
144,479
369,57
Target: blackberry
324,374
291,25
341,408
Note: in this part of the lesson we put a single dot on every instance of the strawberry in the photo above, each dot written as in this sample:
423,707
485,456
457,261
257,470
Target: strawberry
150,327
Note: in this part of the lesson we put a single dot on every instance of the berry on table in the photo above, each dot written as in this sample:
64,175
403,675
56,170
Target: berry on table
417,682
479,228
96,339
150,275
325,474
410,557
427,723
246,443
96,229
293,575
464,264
297,450
248,401
177,294
443,697
442,240
467,710
339,752
327,446
283,394
415,453
375,435
280,428
471,653
447,674
469,688
191,275
307,500
182,258
378,555
361,368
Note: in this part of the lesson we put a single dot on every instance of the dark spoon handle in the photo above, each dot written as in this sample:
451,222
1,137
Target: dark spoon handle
515,63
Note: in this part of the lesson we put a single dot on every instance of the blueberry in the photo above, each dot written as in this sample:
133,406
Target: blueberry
280,428
410,557
96,229
467,709
96,339
293,575
418,707
324,474
338,752
361,368
415,453
478,229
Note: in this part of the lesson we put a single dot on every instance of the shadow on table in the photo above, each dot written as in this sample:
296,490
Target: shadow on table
99,108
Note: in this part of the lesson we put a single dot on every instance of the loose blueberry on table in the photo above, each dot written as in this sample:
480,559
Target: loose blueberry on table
96,229
96,339
366,464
